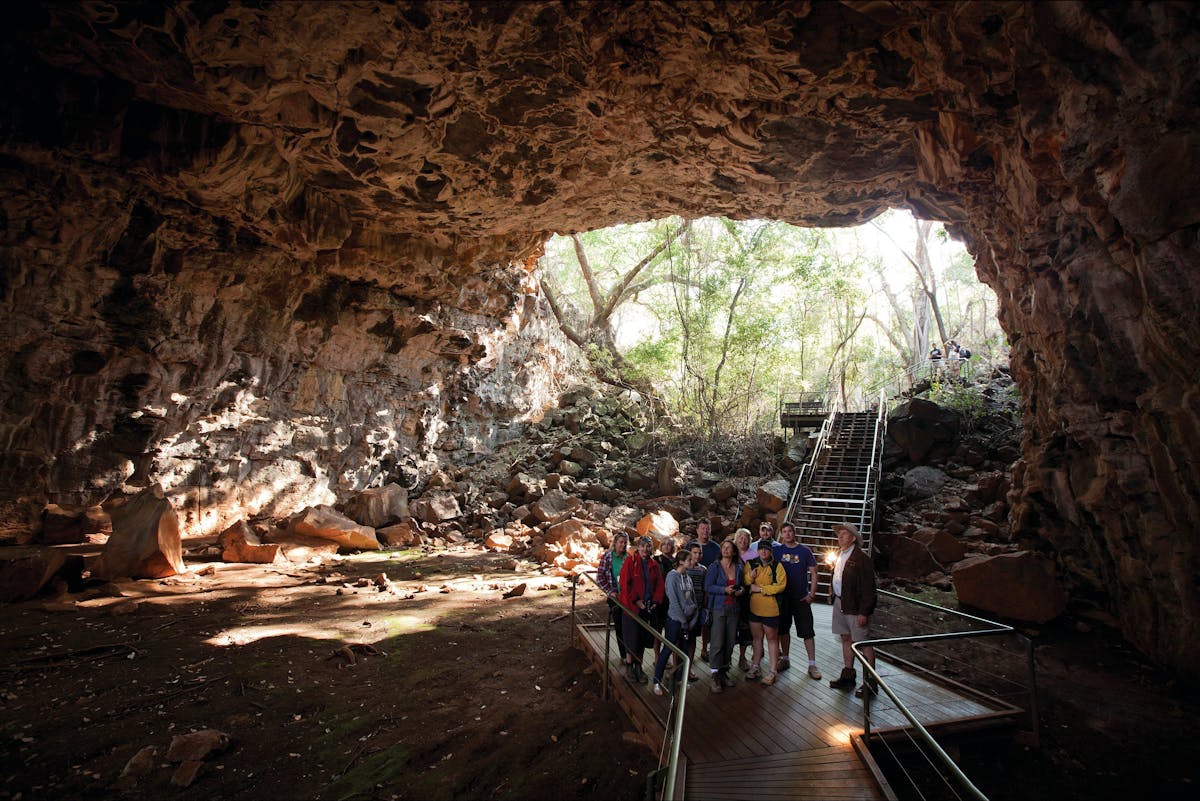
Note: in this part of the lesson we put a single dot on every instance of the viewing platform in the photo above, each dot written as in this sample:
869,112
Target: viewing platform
798,739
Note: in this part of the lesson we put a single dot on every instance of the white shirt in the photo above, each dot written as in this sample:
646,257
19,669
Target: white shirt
843,557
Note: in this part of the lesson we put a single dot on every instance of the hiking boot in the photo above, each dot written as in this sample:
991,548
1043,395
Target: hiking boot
846,681
783,665
813,673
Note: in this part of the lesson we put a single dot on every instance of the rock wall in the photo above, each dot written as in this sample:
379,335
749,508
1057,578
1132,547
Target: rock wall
280,250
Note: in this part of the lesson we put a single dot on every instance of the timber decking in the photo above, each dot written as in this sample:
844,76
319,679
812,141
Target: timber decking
800,728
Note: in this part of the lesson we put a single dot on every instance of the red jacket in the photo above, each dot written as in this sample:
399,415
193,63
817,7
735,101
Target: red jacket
636,573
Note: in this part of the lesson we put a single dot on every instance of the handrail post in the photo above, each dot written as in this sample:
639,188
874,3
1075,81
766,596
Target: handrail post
571,630
684,660
1034,714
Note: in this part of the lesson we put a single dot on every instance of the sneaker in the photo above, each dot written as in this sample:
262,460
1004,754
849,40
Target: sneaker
783,665
845,681
753,673
813,673
769,679
692,677
718,686
658,690
742,663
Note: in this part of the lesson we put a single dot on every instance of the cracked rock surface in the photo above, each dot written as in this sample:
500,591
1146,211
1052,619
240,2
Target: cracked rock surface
268,256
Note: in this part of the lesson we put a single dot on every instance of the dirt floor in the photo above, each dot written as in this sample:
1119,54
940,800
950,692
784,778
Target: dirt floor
469,696
455,692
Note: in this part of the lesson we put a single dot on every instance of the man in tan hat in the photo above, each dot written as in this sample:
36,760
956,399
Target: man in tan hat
853,604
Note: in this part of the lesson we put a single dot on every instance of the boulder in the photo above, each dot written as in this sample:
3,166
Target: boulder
299,549
667,477
197,746
1020,585
435,507
543,551
498,541
521,487
658,525
378,506
919,425
568,530
240,544
145,539
941,544
401,535
723,491
569,468
910,559
924,482
324,523
63,525
622,518
555,506
583,456
24,573
773,496
638,442
638,477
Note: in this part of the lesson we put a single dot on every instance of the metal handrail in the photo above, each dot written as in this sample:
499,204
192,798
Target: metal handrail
994,629
807,469
874,469
686,666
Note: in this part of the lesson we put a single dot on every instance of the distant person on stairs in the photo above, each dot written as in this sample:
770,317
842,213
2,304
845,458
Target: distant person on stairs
853,604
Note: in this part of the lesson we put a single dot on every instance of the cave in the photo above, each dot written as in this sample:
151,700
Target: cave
268,254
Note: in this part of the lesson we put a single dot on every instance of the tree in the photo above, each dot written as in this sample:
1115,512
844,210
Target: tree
608,287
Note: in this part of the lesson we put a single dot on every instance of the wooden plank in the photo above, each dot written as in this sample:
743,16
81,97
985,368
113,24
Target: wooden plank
794,739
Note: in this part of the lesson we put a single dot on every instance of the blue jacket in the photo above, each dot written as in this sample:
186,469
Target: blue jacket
714,584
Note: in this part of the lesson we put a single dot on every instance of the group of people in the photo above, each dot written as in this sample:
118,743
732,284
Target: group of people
739,593
948,362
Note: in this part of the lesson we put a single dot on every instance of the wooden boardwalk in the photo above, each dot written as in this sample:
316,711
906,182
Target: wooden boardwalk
800,728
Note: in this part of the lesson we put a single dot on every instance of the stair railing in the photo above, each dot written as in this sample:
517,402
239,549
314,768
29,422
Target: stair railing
808,468
874,469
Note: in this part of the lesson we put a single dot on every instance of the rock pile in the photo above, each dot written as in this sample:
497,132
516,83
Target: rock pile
946,523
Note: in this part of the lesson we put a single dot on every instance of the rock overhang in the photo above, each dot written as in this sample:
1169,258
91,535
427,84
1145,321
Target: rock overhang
317,203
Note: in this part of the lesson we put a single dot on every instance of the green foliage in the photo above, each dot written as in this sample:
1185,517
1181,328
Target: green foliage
966,399
729,315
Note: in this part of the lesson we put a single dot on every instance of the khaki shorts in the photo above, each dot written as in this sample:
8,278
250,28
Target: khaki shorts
848,624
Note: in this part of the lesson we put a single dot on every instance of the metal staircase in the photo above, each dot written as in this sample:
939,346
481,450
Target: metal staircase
839,484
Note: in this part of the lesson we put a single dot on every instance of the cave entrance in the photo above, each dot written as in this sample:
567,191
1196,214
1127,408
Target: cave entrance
728,319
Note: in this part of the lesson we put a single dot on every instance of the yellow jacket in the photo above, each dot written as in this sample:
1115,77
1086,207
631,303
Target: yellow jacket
763,603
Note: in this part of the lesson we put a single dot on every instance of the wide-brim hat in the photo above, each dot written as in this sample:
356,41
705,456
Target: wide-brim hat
848,527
